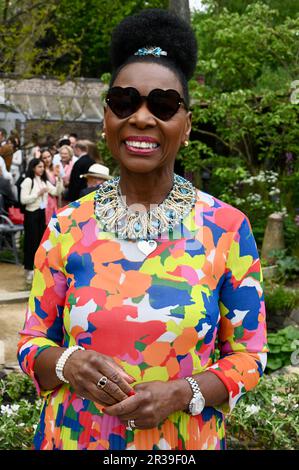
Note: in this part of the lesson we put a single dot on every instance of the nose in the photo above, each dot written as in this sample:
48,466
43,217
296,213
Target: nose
142,117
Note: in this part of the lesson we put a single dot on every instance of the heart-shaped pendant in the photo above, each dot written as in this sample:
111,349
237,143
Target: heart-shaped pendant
147,246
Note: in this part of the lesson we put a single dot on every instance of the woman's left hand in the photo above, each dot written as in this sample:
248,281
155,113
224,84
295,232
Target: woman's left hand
152,403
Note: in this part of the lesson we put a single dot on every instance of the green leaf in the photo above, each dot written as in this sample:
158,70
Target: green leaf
275,339
273,349
291,332
274,363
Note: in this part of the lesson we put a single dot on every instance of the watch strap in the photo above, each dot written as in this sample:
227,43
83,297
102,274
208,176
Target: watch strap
195,389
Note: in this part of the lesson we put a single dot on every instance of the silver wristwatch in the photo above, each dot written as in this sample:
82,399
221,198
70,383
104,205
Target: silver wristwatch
197,402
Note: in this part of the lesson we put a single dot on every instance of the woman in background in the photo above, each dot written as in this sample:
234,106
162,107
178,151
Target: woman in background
34,196
52,176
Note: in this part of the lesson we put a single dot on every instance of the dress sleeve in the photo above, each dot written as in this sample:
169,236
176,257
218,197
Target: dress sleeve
242,337
43,326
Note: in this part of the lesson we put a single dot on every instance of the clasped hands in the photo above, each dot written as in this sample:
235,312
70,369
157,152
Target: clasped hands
147,404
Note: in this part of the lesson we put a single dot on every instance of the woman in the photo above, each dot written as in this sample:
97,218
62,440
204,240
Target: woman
67,160
34,196
66,163
52,176
17,161
125,354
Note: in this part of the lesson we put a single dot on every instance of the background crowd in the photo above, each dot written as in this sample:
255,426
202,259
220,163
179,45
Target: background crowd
43,179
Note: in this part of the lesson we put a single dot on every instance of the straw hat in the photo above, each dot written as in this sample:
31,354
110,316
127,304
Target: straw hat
98,171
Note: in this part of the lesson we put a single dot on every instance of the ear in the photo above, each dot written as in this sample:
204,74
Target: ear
188,127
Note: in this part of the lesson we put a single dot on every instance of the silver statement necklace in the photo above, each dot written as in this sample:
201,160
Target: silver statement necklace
115,216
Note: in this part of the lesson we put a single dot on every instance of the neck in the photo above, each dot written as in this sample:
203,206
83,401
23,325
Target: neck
146,188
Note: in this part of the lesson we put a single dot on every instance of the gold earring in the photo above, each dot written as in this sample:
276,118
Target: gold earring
103,135
186,143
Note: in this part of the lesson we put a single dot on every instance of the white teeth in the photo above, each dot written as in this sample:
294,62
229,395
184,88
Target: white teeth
141,145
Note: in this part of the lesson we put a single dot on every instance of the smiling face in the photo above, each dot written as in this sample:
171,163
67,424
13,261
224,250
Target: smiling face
47,158
39,169
141,142
65,156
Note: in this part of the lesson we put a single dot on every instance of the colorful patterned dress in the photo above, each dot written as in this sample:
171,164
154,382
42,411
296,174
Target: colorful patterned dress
160,316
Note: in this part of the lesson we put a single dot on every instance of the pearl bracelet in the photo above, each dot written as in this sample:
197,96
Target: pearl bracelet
62,360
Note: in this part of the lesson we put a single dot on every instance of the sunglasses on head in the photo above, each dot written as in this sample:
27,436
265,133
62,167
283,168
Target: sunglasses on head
161,103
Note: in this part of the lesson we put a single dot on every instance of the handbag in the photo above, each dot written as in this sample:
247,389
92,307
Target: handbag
15,215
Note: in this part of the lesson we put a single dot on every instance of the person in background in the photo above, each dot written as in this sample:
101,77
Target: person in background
5,174
3,136
64,140
17,159
51,146
80,167
67,161
7,150
34,196
32,148
52,174
96,175
9,198
73,137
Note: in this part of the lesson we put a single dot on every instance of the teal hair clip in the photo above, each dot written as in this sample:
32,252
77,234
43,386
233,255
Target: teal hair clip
155,51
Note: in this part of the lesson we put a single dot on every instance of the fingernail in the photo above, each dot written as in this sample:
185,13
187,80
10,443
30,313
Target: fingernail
131,393
104,410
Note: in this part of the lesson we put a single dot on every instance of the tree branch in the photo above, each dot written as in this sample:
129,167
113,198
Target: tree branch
231,147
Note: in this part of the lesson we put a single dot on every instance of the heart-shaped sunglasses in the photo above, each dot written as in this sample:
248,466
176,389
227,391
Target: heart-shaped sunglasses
126,101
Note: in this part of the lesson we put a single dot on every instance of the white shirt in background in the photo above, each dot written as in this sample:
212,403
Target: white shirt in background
6,174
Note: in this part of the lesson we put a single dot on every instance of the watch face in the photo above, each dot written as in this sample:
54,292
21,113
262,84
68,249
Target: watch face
196,405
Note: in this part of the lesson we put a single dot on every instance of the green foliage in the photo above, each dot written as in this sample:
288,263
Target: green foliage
16,386
287,266
281,345
107,157
284,9
280,299
266,418
61,37
94,20
19,412
27,45
243,112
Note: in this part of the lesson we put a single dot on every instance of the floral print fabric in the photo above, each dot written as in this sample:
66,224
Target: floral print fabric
160,316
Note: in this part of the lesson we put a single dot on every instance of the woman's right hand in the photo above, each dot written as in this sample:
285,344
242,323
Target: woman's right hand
84,369
42,191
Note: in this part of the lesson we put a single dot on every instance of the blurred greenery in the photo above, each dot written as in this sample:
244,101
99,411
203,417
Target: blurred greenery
63,38
281,345
245,134
267,418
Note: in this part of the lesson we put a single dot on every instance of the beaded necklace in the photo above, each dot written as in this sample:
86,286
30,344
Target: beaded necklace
115,216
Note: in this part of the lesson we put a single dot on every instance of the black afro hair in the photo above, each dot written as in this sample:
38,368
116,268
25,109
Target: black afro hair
159,28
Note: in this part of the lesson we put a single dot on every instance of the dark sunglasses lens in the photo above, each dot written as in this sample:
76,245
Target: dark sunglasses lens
123,101
164,104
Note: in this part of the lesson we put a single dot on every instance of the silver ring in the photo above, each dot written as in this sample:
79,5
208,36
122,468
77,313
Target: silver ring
131,425
102,382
